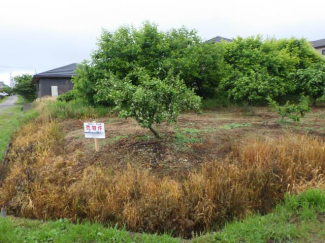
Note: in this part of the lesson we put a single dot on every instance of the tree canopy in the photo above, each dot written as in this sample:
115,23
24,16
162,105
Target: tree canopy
157,53
246,69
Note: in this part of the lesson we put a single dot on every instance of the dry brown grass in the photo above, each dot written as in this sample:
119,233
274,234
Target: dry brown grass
45,182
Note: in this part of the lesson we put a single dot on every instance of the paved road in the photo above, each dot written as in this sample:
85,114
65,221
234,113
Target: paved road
9,102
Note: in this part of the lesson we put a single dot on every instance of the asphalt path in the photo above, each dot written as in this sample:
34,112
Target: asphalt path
9,102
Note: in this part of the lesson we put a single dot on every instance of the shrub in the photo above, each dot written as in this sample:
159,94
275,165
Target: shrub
295,112
73,109
68,96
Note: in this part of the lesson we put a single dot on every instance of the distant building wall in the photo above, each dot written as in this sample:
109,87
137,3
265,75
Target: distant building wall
44,86
321,50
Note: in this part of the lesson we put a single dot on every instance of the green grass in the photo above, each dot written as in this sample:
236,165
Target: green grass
192,135
20,100
9,122
299,219
235,125
75,109
62,231
187,136
3,99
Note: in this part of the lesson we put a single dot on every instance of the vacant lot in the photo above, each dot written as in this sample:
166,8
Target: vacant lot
194,140
205,171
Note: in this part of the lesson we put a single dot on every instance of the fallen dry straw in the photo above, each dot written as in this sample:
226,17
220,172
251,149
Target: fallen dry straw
46,183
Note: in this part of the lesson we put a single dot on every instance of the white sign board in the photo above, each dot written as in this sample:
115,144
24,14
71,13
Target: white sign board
94,130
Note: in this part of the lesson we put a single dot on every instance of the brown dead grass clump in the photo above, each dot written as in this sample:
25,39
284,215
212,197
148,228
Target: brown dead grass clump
46,183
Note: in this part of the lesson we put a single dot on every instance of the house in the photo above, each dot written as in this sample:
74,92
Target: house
54,82
218,39
319,46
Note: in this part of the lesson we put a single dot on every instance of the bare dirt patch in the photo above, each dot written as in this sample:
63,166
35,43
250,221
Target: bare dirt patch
185,146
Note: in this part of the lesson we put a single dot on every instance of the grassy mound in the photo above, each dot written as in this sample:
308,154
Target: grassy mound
47,181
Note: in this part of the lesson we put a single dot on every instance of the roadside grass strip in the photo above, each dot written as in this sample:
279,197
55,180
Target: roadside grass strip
9,122
3,99
62,231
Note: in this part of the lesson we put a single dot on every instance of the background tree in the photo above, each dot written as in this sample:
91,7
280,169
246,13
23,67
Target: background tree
201,66
25,87
258,68
85,81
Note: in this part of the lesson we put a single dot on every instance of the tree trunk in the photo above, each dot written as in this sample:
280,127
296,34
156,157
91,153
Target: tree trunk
154,132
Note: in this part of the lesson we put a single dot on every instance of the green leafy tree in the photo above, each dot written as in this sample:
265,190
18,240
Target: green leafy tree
25,87
311,81
85,81
151,101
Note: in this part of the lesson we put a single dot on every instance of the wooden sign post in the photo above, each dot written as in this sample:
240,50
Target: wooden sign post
96,142
94,130
96,145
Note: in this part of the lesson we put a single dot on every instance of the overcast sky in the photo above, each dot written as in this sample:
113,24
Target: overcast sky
39,35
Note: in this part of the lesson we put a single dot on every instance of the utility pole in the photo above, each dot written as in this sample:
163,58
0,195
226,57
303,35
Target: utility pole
12,81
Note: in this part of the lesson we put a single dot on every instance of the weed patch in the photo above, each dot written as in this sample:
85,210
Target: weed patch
117,138
73,109
235,125
187,136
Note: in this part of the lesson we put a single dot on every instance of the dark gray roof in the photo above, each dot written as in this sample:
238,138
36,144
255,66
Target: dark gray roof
318,43
218,39
61,72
